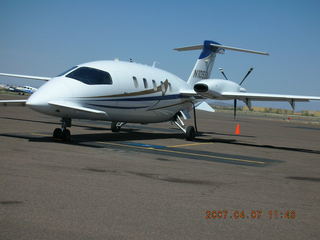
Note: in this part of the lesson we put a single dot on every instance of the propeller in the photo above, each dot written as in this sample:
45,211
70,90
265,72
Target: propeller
248,73
235,100
222,72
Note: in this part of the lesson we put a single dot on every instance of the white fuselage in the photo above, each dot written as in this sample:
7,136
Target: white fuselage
138,93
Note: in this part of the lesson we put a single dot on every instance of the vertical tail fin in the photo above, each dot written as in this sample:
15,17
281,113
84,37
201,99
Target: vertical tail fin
204,64
203,67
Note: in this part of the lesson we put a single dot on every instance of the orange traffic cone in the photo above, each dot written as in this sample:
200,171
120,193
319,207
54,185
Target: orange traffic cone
237,131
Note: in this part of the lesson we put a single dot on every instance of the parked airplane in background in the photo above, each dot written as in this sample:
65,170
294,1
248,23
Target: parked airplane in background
18,89
22,90
123,92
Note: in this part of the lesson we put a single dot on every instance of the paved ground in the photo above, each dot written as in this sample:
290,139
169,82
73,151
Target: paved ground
147,182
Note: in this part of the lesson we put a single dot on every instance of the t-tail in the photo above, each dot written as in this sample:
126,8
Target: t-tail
203,67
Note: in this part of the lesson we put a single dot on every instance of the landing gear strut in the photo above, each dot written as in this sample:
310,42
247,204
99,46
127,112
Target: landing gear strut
116,126
190,132
63,133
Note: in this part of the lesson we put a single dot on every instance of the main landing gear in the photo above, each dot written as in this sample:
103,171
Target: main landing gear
116,126
63,133
189,131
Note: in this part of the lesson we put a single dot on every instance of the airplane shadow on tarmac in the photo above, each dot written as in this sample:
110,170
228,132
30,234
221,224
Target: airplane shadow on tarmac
135,133
235,142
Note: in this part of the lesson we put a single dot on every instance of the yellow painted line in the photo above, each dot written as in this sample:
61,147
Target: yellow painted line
40,134
190,144
185,153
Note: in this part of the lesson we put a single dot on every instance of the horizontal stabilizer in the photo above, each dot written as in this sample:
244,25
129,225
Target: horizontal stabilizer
70,106
219,46
25,76
189,48
239,49
13,103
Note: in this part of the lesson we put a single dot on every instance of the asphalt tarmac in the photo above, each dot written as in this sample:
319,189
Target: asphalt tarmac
147,182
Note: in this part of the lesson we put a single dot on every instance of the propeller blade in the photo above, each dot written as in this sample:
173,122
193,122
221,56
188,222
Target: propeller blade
234,109
250,70
222,72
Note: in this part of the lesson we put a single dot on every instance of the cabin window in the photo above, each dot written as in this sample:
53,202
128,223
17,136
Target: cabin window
90,76
154,84
145,83
135,82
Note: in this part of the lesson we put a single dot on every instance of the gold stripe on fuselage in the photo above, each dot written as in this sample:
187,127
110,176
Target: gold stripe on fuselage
144,92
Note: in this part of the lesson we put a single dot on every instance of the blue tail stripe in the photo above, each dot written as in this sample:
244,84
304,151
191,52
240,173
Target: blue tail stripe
208,49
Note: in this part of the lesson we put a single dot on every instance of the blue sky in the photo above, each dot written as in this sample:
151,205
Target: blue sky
46,37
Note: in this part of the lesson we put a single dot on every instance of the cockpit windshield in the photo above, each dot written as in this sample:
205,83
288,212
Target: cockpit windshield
90,76
61,74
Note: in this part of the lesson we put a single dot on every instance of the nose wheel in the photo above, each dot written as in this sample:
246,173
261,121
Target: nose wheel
63,133
116,126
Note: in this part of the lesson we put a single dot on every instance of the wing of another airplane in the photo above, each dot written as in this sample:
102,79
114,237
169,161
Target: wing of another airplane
266,97
25,76
13,102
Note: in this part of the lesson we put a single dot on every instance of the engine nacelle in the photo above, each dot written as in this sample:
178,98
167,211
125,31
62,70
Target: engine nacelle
212,88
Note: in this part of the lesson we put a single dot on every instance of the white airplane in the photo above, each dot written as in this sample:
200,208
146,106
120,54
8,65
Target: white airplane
23,90
127,92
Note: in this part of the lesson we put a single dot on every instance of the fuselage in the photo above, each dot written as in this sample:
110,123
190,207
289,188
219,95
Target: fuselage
132,92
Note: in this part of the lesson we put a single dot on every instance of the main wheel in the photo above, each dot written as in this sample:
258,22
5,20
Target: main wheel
114,127
190,133
57,133
66,136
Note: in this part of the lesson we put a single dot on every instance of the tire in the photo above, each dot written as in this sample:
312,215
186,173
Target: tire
57,133
190,133
66,136
114,127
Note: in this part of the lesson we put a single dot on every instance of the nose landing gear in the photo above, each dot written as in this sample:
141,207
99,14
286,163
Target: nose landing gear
116,126
63,133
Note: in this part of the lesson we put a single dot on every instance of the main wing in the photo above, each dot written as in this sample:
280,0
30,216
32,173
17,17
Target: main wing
266,97
247,97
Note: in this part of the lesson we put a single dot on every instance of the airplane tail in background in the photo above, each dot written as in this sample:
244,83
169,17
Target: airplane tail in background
203,67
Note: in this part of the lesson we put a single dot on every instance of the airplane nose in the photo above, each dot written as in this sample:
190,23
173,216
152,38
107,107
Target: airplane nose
37,101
